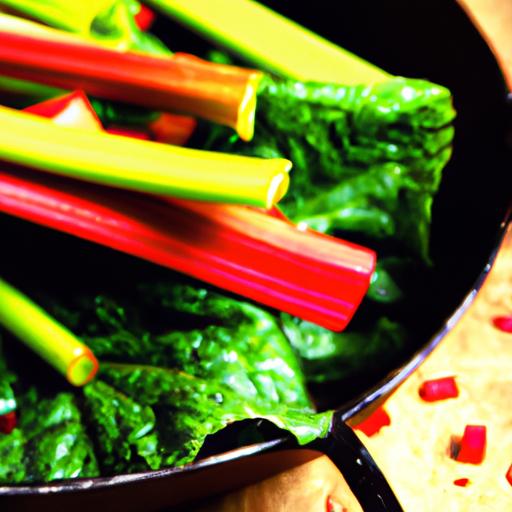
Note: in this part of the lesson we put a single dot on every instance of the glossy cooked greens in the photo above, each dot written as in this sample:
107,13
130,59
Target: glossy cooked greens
367,159
229,361
181,362
367,164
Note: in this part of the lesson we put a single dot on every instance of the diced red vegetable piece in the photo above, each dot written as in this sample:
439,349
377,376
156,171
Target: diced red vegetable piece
72,109
461,482
472,445
172,128
334,506
503,323
373,424
129,132
145,18
439,389
508,476
8,422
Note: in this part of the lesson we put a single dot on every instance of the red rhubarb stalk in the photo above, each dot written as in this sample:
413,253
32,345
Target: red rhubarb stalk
183,83
316,277
245,250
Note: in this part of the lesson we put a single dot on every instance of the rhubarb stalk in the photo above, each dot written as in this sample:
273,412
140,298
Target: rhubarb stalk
270,41
108,22
307,274
216,92
45,336
140,165
251,252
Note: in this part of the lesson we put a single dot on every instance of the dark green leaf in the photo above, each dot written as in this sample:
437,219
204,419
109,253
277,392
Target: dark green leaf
367,159
330,355
188,409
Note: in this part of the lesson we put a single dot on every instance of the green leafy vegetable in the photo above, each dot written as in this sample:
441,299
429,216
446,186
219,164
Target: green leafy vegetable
367,159
199,361
123,430
50,442
329,356
187,409
12,451
198,331
7,398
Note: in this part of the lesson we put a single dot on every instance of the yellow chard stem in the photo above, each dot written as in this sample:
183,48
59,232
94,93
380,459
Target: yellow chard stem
140,165
270,41
71,15
45,336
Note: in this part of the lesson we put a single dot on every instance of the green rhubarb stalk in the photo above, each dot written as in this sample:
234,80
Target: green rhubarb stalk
108,22
270,41
139,165
45,336
73,16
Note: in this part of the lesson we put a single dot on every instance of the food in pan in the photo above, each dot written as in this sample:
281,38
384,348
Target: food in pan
181,359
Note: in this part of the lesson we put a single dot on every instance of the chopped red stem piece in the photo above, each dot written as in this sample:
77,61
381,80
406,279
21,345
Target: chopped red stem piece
73,109
503,323
334,506
145,17
439,389
373,424
472,445
508,476
172,128
461,482
8,422
129,132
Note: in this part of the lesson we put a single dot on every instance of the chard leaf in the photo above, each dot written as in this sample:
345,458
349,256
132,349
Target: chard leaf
367,159
12,453
201,332
55,443
123,429
188,409
330,355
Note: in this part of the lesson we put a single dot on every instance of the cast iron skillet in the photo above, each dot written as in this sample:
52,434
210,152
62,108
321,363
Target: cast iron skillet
435,40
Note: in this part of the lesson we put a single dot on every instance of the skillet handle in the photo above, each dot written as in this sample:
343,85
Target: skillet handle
357,466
